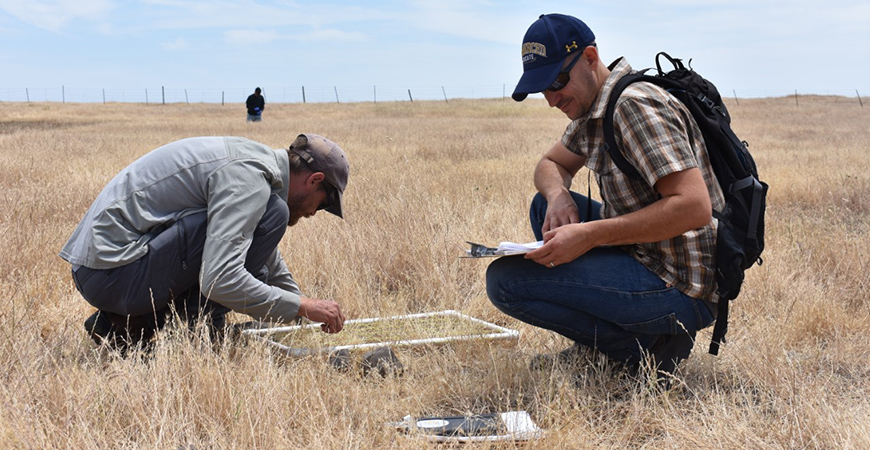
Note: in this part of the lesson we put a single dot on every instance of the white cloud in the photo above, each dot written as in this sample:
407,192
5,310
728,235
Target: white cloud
248,37
189,14
106,28
178,44
330,34
53,15
475,20
252,37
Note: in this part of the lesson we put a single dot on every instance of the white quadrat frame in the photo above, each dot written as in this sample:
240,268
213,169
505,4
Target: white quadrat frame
495,333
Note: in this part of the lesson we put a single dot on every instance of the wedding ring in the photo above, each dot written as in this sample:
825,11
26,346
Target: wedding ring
552,265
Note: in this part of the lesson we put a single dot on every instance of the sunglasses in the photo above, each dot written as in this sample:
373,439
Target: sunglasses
564,75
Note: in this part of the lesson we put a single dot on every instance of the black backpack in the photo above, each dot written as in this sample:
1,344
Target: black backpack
740,237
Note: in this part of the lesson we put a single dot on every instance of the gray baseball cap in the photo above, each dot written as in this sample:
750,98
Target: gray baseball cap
323,155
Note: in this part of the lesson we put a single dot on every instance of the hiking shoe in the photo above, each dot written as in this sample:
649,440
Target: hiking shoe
99,328
667,352
570,357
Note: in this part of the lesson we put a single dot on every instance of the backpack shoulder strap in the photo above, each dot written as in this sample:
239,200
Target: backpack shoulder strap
609,137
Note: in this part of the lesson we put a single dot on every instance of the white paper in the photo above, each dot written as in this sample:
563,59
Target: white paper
517,426
503,249
512,248
520,425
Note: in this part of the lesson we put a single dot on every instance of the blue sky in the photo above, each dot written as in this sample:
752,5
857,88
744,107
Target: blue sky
366,50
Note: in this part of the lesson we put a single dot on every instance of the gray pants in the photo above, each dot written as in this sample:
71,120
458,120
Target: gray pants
137,297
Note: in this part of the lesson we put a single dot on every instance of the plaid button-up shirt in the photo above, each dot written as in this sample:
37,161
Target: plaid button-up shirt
658,136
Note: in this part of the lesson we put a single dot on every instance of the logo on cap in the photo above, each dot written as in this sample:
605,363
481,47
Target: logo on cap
530,49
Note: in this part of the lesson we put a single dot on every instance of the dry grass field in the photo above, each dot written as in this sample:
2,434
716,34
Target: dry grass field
425,177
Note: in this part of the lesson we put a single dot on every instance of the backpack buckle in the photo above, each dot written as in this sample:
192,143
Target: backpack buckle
706,101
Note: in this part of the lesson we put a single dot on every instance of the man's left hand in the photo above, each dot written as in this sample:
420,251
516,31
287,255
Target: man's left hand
563,245
325,311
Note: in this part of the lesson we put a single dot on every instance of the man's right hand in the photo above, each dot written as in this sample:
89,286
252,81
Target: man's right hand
553,176
326,311
561,210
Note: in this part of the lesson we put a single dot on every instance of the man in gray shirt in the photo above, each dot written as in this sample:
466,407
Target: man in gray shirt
195,225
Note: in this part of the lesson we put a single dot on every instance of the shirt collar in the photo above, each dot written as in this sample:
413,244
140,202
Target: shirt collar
618,69
284,170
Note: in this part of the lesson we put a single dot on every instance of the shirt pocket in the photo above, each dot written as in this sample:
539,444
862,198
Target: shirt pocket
617,193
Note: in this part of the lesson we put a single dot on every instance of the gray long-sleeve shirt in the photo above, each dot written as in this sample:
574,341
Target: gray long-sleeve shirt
232,179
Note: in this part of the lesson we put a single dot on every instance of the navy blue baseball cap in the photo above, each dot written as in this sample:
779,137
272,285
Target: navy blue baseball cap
551,39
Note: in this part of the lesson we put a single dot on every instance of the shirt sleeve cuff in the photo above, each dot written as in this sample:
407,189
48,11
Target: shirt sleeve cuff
285,309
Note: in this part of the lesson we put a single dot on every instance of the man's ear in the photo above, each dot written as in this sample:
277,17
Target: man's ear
316,178
590,54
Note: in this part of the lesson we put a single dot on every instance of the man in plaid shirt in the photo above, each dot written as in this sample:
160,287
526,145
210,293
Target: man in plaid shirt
637,276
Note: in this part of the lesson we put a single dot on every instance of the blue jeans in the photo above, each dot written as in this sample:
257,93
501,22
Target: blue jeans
605,299
136,297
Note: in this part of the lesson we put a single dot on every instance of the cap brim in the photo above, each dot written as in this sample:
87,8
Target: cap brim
336,207
536,80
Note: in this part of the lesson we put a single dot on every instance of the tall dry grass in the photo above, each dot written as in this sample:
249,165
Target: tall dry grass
425,178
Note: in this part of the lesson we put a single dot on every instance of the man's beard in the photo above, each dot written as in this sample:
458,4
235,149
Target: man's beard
293,203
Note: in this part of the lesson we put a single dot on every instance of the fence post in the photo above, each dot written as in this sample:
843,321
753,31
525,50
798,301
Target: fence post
409,96
303,94
63,93
795,98
104,96
222,98
146,96
445,94
27,92
735,97
375,90
163,93
859,98
185,97
336,94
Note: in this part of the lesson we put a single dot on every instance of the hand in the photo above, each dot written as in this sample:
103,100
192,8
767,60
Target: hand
326,311
561,210
563,245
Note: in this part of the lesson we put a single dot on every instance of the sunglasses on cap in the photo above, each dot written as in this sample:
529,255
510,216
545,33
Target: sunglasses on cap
564,75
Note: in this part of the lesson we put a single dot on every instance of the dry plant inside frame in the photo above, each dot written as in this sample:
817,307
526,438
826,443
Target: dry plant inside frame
401,331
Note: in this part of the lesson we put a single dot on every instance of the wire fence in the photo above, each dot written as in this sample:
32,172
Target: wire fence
298,94
337,94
